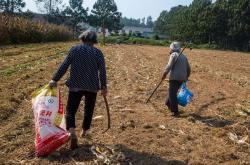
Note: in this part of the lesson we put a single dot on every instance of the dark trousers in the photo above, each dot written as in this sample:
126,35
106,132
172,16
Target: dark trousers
171,100
74,99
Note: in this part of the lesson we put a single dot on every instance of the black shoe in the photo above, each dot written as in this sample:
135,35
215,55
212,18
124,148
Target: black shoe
73,141
175,114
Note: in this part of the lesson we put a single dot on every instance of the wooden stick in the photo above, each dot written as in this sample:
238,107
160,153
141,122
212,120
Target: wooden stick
108,114
154,91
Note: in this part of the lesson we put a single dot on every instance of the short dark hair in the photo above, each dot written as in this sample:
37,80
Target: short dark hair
89,36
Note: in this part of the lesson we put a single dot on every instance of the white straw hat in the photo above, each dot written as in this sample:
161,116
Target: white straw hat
175,46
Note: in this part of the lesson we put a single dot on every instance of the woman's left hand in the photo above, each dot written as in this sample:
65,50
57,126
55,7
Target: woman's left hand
52,84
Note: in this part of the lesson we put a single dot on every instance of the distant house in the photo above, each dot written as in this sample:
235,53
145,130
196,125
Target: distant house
107,33
85,26
145,32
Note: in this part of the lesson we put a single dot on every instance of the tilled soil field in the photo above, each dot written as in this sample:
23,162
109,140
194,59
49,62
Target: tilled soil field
213,129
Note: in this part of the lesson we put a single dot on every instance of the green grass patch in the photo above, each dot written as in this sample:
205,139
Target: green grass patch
16,68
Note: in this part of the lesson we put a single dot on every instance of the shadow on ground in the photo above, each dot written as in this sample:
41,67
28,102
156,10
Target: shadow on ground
84,154
208,120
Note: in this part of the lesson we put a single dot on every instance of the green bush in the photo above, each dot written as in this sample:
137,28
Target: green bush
208,46
204,46
135,40
145,41
156,37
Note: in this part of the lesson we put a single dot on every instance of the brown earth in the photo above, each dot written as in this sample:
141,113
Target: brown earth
145,133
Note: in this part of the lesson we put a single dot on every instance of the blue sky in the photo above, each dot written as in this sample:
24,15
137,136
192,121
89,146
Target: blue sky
130,8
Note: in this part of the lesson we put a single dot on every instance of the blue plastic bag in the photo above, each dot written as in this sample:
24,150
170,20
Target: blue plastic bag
184,96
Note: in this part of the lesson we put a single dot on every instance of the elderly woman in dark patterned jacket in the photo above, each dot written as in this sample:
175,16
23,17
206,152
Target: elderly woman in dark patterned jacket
87,77
179,70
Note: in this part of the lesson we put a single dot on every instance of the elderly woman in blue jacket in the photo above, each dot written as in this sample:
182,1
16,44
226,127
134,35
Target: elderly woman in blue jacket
87,77
179,70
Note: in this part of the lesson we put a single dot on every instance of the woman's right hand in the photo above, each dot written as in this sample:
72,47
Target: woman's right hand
164,76
104,92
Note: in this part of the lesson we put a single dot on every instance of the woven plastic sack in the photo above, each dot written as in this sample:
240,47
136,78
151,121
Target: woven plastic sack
49,114
184,96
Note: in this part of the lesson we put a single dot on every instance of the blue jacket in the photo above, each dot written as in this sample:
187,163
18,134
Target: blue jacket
88,71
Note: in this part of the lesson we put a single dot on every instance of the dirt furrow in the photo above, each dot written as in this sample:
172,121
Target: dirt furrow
146,133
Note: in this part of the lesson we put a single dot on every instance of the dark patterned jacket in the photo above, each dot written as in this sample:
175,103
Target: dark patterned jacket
87,72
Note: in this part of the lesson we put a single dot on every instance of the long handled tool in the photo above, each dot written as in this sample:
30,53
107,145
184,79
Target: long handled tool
108,114
154,91
161,81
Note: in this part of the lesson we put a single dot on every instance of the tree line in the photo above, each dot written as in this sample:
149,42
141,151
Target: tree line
71,15
225,23
148,23
104,13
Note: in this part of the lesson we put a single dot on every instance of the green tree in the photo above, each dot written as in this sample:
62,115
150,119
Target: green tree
176,22
133,22
105,15
75,14
225,23
150,22
239,23
197,20
57,16
11,6
143,22
172,23
212,24
161,22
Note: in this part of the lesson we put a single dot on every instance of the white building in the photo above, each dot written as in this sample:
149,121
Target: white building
145,32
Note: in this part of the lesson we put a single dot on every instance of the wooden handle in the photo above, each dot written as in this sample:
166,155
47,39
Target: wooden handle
154,91
108,114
